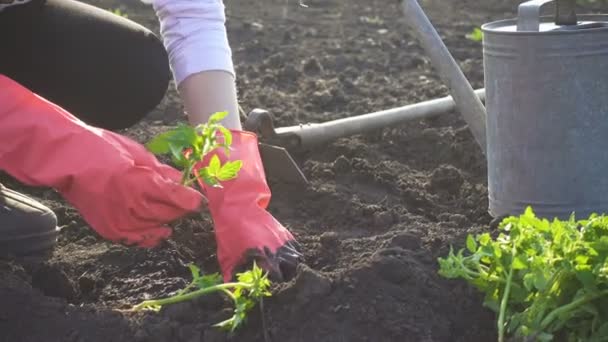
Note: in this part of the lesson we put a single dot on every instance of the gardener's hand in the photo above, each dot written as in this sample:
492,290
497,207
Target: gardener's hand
245,231
119,188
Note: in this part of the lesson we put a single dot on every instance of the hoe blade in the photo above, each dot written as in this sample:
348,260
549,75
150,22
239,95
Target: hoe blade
279,165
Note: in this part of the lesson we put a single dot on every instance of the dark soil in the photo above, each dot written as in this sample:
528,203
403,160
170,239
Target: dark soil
380,209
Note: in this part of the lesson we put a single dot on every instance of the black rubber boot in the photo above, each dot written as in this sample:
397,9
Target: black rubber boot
27,228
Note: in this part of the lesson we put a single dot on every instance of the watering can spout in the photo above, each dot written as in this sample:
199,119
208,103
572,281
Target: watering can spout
467,102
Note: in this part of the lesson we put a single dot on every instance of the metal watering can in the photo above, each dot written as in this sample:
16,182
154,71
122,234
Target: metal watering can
545,133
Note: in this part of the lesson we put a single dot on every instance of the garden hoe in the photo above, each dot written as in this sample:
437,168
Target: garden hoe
276,142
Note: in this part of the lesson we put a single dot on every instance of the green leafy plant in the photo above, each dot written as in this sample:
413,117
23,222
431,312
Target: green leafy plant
476,35
188,145
250,287
547,280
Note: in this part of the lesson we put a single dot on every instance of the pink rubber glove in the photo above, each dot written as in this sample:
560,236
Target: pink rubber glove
119,188
244,230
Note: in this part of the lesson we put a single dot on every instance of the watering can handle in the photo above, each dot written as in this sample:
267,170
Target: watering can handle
528,17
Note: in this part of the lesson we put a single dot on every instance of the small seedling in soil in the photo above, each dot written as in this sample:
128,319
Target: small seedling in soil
188,146
250,287
547,280
476,35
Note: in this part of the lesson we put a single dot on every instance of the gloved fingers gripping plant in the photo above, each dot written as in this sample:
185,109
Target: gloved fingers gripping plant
190,149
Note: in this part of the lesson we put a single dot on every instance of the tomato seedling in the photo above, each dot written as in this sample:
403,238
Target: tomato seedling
546,279
251,286
188,147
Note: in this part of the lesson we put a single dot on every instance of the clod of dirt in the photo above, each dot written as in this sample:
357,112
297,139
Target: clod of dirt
9,270
405,240
322,98
341,165
86,284
397,265
181,312
289,73
141,335
287,37
191,332
157,330
457,220
446,178
312,67
275,60
321,170
383,219
430,134
213,335
211,302
308,285
329,240
53,282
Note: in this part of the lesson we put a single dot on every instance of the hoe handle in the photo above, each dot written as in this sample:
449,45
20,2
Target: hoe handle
316,134
467,101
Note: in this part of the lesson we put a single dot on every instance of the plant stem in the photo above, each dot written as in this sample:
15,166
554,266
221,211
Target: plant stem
568,307
186,174
229,294
483,274
184,290
190,295
188,181
505,299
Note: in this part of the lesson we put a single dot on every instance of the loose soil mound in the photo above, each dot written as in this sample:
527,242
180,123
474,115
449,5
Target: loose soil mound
380,209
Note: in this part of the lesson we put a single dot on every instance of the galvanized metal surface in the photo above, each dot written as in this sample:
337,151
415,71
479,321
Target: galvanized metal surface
547,116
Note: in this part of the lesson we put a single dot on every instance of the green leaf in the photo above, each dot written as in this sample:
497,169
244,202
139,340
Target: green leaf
207,176
586,277
214,166
229,170
519,263
529,212
177,155
209,280
540,281
183,136
491,303
227,135
160,143
195,271
529,281
217,117
471,244
475,35
205,280
484,239
245,277
581,259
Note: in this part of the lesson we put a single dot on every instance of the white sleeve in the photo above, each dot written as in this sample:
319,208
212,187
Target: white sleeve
194,34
